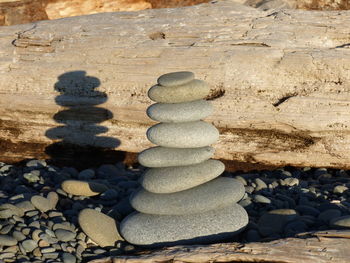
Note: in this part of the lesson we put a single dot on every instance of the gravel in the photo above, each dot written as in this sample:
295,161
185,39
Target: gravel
48,229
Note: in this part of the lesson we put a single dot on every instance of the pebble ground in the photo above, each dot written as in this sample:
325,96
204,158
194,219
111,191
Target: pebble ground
39,221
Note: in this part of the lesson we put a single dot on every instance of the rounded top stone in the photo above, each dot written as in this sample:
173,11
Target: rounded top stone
175,78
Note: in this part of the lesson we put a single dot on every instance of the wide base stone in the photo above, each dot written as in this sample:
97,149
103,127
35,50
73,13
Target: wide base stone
212,226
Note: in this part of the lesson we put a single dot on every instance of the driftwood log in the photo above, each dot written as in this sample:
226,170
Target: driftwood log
280,81
321,247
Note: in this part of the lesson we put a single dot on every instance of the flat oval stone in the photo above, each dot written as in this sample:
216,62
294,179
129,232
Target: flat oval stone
175,78
179,178
84,188
6,240
165,157
183,135
101,228
162,230
193,90
180,112
216,193
341,222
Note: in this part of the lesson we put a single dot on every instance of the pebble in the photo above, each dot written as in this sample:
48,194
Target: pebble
68,258
328,215
29,245
45,204
6,240
86,174
193,90
99,227
179,178
339,189
341,222
273,221
175,78
18,235
157,230
180,112
217,193
64,235
307,210
183,135
261,199
9,210
165,157
260,184
83,188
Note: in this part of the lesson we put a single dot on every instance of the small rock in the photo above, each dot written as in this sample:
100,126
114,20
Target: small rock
45,204
179,178
6,240
328,215
86,174
110,194
99,227
339,189
214,194
25,206
159,230
180,112
183,135
33,176
307,210
273,221
18,235
290,181
260,184
29,245
164,157
9,210
83,188
261,199
341,222
68,258
175,78
64,235
193,90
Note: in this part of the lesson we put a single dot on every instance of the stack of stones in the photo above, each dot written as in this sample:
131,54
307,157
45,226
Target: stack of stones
182,199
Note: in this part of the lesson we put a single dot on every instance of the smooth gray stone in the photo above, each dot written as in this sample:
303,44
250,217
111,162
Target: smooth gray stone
29,245
101,228
160,230
64,235
165,157
328,215
9,210
193,90
341,222
68,258
273,221
18,235
175,78
178,178
45,204
6,240
261,199
192,134
216,193
180,112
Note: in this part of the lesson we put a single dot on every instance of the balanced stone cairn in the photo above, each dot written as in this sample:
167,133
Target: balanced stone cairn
182,199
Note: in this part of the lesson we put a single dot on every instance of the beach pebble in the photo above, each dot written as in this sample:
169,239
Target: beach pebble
83,188
211,226
101,228
175,78
64,235
180,112
6,240
165,157
193,90
183,135
45,204
341,222
29,245
274,221
328,215
216,193
179,178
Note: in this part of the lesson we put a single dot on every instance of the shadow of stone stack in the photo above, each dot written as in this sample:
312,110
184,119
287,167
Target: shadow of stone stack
183,200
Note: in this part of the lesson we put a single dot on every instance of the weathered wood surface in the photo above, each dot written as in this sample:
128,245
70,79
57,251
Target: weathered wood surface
280,80
321,247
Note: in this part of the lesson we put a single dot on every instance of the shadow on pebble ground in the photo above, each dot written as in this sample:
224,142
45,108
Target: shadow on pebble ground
80,143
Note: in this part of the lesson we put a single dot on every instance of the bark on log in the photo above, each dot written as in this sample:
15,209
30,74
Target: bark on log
321,247
280,80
